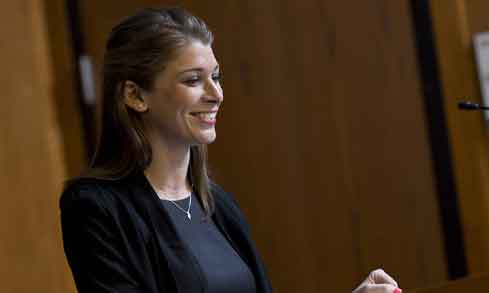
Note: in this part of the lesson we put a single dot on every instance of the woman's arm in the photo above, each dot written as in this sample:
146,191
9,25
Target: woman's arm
93,245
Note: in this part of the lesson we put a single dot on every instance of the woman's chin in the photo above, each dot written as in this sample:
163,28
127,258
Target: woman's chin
205,137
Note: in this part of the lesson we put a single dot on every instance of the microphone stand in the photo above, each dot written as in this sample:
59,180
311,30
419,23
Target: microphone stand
465,105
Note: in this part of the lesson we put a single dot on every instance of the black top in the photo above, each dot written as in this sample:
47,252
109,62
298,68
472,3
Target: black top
223,269
118,237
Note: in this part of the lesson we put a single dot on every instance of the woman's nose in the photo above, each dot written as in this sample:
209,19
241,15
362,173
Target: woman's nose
214,91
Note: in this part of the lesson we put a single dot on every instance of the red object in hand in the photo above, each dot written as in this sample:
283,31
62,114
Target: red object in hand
397,290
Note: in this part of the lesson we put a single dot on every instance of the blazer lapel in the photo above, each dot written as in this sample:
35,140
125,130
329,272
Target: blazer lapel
182,267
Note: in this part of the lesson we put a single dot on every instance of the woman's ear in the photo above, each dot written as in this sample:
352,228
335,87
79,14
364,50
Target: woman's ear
133,96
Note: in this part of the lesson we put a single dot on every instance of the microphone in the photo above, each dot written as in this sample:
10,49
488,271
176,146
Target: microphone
465,105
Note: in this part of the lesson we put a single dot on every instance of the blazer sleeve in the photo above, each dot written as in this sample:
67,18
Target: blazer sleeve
92,244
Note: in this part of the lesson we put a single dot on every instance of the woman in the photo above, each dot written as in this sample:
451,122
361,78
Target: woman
146,217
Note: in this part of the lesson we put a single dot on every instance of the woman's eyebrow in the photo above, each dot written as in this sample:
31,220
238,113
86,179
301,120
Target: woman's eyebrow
198,69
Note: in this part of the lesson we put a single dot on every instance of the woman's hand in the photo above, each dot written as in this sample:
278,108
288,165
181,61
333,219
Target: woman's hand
378,282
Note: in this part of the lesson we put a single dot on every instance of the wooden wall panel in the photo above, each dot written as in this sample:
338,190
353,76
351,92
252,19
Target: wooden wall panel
31,154
63,87
479,283
454,23
322,136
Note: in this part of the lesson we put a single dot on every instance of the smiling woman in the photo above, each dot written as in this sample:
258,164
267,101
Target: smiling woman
145,217
184,99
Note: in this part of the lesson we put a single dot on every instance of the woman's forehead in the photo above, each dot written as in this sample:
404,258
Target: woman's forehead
194,55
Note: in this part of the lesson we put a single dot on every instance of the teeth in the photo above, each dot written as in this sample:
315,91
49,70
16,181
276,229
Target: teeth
208,116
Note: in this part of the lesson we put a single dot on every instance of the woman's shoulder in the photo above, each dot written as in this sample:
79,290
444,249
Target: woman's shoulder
226,203
93,191
110,202
222,196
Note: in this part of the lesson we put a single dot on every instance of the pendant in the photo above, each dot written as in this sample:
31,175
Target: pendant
189,216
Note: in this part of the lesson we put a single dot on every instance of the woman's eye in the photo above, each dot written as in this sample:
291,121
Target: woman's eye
216,77
192,81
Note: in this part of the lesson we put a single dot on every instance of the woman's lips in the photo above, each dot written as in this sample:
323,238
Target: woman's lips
208,118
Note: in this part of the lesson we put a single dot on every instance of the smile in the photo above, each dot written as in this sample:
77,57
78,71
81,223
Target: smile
208,118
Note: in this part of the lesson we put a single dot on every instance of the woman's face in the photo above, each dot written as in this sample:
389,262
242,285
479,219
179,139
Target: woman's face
186,96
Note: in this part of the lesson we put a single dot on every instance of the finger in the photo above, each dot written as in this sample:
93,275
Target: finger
380,277
376,288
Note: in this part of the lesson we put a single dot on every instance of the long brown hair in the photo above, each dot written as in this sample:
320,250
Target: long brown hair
138,49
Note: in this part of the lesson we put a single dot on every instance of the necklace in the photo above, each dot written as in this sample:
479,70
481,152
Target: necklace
161,194
189,216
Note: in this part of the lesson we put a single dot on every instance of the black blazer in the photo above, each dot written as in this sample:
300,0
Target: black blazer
118,238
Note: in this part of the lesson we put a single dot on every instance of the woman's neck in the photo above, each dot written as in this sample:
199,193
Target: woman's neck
168,170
